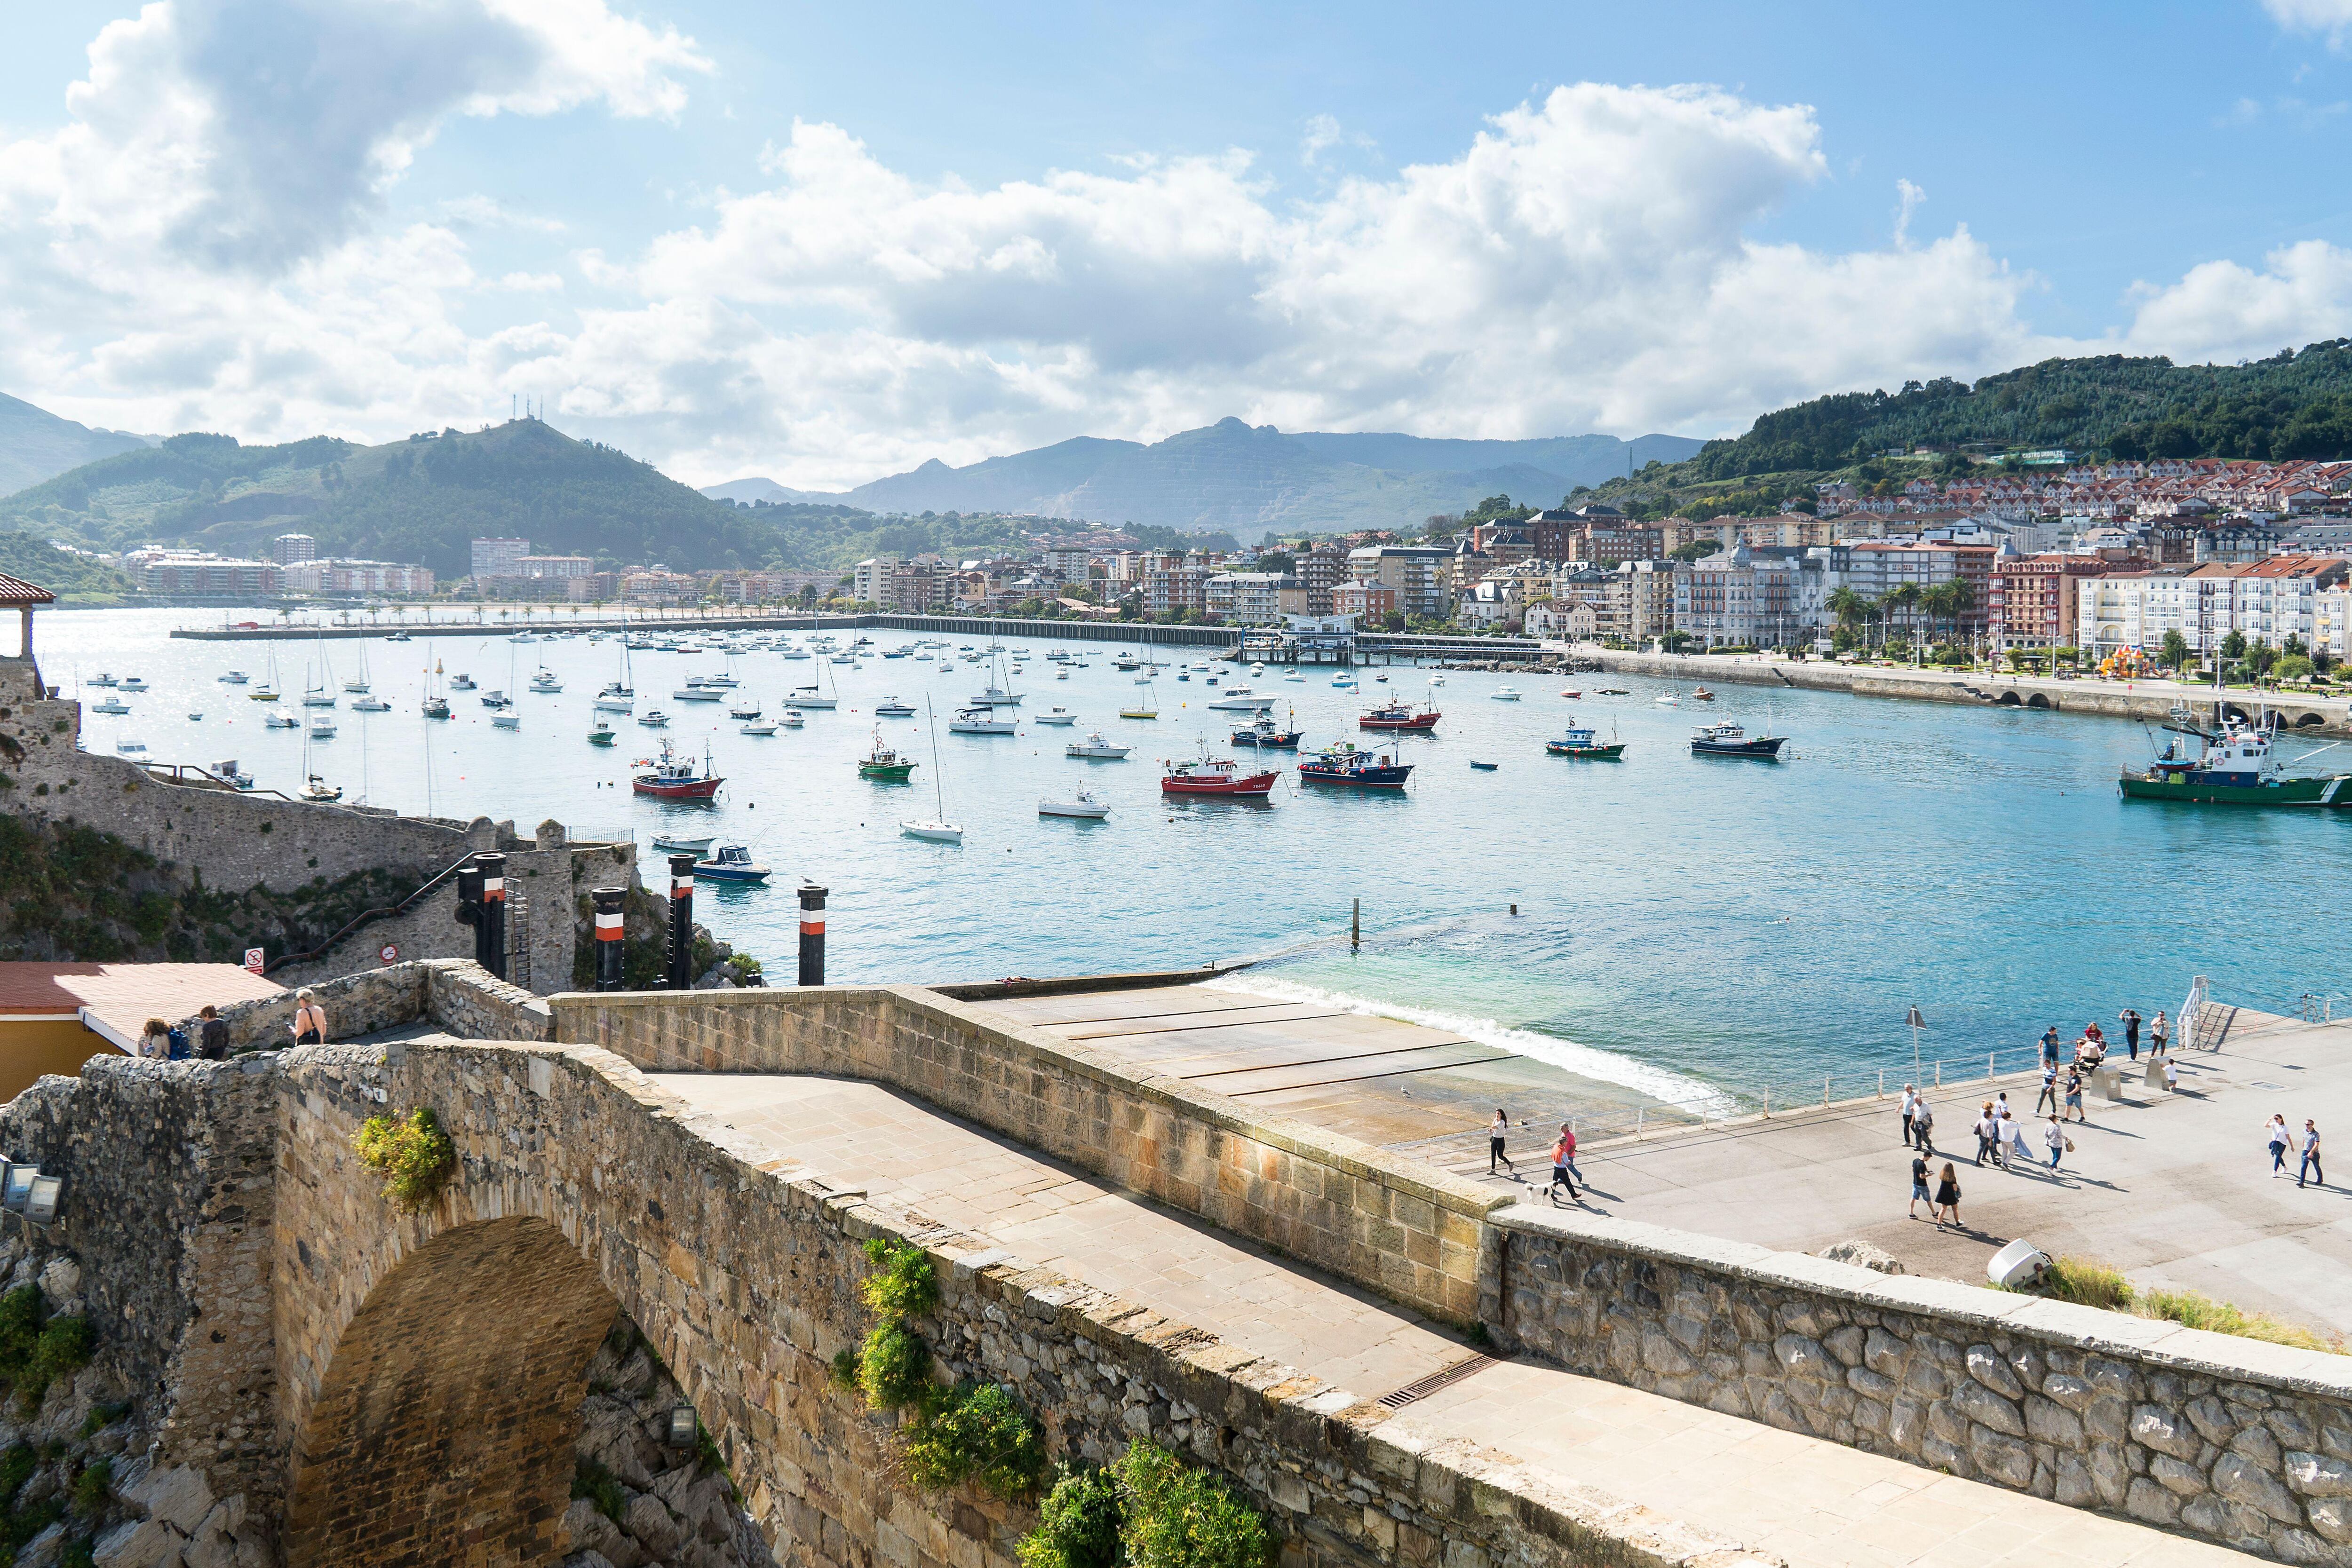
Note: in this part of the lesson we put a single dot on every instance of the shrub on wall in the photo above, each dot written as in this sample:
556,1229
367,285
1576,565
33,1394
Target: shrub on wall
1150,1510
903,1284
412,1154
35,1352
1078,1525
976,1433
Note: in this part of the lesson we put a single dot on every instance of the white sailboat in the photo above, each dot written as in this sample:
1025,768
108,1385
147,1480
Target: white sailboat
938,829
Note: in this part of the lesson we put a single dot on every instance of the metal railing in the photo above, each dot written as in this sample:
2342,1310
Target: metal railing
370,916
2315,1008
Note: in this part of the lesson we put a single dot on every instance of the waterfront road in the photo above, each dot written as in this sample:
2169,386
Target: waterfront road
2175,1189
1805,1502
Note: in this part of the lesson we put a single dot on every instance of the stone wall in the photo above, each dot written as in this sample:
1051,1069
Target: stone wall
458,994
1396,1225
2232,1440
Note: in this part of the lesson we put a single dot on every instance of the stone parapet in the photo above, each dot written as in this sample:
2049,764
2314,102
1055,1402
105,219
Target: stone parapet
1396,1225
458,994
2236,1440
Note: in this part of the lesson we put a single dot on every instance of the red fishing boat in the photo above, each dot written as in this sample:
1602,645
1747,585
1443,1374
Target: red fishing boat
1215,775
675,778
1399,716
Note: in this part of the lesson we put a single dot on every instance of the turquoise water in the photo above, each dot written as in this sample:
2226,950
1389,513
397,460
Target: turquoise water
1681,922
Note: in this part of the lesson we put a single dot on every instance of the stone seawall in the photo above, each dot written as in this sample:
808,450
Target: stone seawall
458,994
1400,1227
2232,1440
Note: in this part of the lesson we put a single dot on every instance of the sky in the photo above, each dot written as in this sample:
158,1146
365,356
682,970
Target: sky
826,242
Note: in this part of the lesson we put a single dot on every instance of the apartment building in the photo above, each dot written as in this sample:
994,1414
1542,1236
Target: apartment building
314,576
1320,570
1875,568
497,558
200,572
287,549
2267,601
2035,600
1421,575
1252,598
1742,597
1370,600
1170,589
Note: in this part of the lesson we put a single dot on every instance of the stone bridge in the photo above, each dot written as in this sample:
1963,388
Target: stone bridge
369,1387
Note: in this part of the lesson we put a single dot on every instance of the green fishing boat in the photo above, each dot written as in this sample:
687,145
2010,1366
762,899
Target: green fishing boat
1586,745
885,764
599,734
2233,767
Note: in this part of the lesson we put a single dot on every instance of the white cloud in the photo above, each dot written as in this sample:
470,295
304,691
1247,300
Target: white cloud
2331,19
2222,311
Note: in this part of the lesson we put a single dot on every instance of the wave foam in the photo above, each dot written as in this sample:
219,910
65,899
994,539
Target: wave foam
1662,1084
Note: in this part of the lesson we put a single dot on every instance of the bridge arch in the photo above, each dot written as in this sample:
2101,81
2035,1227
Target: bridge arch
444,1424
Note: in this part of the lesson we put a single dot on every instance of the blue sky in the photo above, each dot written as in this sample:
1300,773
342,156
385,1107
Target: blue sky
824,243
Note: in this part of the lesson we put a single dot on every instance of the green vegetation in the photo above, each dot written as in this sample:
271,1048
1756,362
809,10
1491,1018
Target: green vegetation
91,1487
75,579
592,1481
412,1154
975,1433
2087,1282
36,1348
903,1284
1150,1510
894,1367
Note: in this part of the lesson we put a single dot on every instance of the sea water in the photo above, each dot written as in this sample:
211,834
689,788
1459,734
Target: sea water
1684,924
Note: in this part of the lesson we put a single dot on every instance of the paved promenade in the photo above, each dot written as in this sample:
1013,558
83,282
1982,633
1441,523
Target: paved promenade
2175,1189
1804,1500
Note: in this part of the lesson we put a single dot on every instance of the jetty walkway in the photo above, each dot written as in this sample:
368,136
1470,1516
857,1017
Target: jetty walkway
1795,1498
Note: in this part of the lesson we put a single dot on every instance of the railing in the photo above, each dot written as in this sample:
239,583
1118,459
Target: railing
370,916
2318,1008
177,773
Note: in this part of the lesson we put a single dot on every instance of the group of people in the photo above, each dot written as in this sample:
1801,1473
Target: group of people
2280,1140
1564,1173
159,1042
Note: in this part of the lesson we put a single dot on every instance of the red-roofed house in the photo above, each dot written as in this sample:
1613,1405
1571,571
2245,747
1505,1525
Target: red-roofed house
54,1017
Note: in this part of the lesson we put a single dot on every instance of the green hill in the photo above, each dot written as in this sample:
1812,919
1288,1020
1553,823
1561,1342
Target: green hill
35,444
75,579
423,499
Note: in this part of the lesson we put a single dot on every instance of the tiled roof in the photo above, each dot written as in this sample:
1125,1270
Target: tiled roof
16,591
125,996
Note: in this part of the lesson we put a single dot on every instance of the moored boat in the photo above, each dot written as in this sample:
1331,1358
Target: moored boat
600,733
1094,747
1059,715
733,862
1582,741
1345,764
1217,775
980,721
1399,717
2232,768
673,777
1733,740
1267,735
1081,804
885,764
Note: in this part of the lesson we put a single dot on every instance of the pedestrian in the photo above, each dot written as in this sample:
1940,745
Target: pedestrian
1948,1196
2092,1032
1567,1137
1562,1153
1983,1130
2157,1033
2075,1096
2049,1088
2016,1131
2171,1076
2131,1032
2310,1166
1923,1126
154,1042
1919,1187
214,1046
1910,1109
1496,1130
309,1020
2055,1136
2001,1105
2280,1140
2050,1046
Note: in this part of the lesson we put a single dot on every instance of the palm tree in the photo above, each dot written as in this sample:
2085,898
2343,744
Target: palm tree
1849,606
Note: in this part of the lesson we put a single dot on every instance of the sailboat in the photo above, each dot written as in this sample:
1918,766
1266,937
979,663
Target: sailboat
1147,709
359,684
938,829
315,788
620,695
267,692
319,684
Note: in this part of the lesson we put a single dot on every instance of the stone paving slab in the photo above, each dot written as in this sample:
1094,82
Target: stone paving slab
1797,1498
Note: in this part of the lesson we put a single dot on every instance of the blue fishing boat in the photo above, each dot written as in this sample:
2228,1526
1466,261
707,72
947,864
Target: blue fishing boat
1266,733
1344,763
732,864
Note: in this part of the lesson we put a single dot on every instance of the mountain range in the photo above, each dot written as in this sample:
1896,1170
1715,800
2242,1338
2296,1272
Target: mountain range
35,445
1245,478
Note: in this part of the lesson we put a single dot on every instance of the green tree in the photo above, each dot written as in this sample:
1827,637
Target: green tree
2175,650
2233,646
1851,607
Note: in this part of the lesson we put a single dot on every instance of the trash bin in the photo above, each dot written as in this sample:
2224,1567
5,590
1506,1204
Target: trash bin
2017,1265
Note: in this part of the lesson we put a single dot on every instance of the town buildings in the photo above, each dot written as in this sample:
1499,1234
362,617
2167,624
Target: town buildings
1421,575
202,573
1252,598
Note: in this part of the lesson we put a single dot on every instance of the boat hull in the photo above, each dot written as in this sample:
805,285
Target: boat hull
1588,753
1256,786
1357,777
890,772
1418,721
1766,749
685,790
710,872
2334,791
1276,742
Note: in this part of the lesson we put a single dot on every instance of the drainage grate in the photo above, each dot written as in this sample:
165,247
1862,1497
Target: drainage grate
1443,1377
2265,1085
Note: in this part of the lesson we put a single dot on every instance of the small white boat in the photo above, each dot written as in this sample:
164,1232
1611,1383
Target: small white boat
1504,695
319,792
461,682
196,719
1062,675
371,705
133,684
102,679
938,833
1294,677
980,721
281,721
697,694
229,774
112,704
506,721
545,682
1257,669
792,719
809,697
891,708
321,727
1437,680
234,678
1081,804
670,843
129,746
1058,716
1343,683
1095,747
765,727
1668,699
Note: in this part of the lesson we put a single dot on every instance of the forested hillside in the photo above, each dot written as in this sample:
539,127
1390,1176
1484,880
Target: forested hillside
2290,405
75,579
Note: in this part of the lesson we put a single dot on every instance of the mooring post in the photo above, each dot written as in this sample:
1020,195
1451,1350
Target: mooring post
812,935
490,935
680,968
469,909
1356,926
611,936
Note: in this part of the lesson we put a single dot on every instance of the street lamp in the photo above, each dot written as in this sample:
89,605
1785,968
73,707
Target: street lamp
1916,1023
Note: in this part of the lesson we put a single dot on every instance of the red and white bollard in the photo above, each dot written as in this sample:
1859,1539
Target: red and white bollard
611,936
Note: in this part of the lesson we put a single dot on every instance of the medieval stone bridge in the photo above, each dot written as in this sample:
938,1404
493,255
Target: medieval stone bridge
377,1388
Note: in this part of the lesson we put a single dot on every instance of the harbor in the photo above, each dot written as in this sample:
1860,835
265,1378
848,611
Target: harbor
1669,925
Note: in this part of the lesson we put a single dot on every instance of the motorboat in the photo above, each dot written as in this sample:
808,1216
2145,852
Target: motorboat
1344,763
653,718
980,720
600,733
229,774
1571,693
791,719
129,747
1505,694
234,678
1400,716
733,862
676,844
496,700
322,726
1733,740
103,679
891,708
1241,699
1267,735
1082,804
1094,747
281,721
763,727
545,682
1059,715
2231,767
196,719
114,704
1478,767
371,705
1216,776
673,778
133,685
1583,742
506,720
1701,695
885,764
461,682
